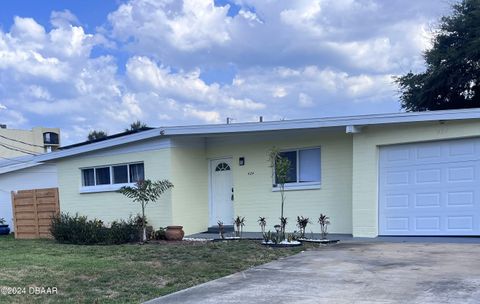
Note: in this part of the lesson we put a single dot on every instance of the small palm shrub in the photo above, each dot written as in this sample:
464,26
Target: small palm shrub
239,222
221,229
262,221
302,223
324,221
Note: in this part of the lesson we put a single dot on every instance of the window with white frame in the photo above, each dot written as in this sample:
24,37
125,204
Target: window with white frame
112,175
305,167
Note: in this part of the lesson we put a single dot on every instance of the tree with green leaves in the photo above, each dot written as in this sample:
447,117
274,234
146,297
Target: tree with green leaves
136,126
94,135
452,75
281,167
144,192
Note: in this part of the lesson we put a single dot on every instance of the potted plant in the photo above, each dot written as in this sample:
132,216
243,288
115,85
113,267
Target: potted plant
4,229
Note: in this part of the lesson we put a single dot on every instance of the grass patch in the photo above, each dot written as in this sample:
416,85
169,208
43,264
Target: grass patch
122,273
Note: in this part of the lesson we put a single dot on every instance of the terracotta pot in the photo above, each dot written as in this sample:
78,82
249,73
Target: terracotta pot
174,233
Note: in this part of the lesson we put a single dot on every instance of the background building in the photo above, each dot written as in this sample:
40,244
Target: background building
15,143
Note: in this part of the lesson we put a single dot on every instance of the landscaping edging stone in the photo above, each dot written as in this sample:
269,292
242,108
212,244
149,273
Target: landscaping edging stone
280,245
236,239
319,241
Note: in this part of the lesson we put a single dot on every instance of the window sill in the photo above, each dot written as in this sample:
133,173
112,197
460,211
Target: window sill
104,188
302,186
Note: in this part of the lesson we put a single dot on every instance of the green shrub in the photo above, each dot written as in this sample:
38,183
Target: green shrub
160,234
124,232
80,230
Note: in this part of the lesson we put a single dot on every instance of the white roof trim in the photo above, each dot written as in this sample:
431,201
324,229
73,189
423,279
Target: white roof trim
16,167
359,120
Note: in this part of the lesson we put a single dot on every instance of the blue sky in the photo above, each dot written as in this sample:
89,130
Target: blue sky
83,65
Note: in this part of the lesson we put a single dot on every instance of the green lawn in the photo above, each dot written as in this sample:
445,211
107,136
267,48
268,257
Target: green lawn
121,273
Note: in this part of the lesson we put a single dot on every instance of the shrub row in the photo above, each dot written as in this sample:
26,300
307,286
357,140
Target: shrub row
80,230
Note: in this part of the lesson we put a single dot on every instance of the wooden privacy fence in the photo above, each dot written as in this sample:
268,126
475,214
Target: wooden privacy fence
33,211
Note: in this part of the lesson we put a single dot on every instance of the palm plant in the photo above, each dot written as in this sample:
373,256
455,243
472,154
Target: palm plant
221,229
324,221
136,126
302,223
94,135
144,192
239,223
262,221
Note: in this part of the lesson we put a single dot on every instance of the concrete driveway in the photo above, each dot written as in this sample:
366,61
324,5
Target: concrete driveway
352,272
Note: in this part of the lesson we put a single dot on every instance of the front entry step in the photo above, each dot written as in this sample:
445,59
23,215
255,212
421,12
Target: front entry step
226,228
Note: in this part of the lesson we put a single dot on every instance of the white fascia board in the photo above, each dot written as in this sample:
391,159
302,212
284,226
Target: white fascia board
17,167
359,120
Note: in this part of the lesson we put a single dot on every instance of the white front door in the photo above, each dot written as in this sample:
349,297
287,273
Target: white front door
430,188
221,191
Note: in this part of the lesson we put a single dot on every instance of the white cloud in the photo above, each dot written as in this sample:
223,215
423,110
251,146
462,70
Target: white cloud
250,16
63,19
304,17
305,101
366,35
189,26
279,92
288,59
205,116
147,75
322,91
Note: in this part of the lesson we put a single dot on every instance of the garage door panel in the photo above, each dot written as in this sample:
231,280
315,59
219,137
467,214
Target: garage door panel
460,222
427,223
460,199
397,201
430,152
463,148
397,224
463,173
398,178
430,188
427,200
428,176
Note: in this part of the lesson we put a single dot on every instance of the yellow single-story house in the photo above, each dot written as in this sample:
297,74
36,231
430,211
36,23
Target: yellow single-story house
382,174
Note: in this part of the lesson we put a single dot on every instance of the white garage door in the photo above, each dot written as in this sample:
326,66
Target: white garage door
430,188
